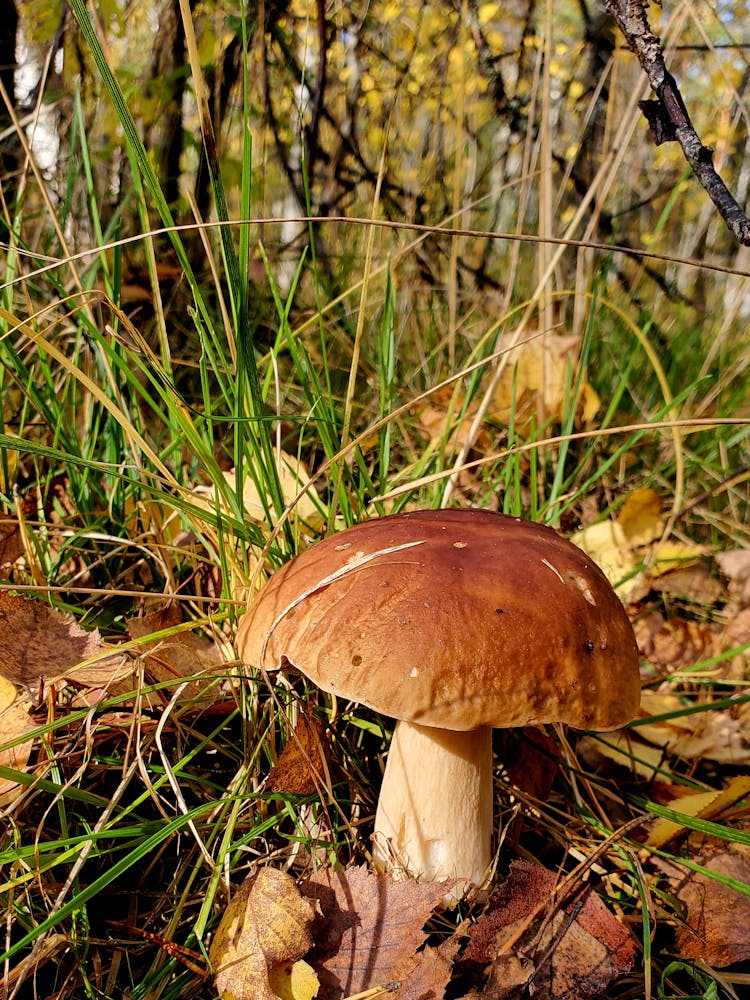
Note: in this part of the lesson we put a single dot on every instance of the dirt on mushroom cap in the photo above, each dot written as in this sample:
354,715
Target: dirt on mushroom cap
455,619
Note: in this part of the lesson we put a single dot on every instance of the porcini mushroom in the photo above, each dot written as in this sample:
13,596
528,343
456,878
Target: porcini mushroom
453,622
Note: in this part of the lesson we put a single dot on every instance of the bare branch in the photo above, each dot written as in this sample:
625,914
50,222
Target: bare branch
668,117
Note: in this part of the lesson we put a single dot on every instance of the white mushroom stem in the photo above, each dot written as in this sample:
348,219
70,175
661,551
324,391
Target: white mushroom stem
434,816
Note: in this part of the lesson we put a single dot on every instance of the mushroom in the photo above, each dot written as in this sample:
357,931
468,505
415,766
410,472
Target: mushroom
453,622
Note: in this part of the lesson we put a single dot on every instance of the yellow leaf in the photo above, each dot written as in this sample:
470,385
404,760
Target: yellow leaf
674,555
266,925
293,477
621,748
294,981
703,805
640,517
664,830
391,11
14,722
590,402
540,373
487,11
607,545
575,90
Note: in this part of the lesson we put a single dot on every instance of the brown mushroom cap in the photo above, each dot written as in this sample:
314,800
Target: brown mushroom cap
454,619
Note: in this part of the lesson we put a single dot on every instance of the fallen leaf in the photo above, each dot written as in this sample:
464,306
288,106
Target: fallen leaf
11,543
265,927
686,578
184,655
528,942
625,749
447,415
294,981
675,643
735,635
432,972
369,932
735,565
640,517
531,758
717,916
608,546
536,382
704,805
293,478
42,645
538,377
14,722
302,766
721,736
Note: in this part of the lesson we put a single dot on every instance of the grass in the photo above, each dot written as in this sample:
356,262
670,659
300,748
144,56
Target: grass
138,469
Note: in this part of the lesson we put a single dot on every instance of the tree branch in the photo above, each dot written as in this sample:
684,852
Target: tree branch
668,117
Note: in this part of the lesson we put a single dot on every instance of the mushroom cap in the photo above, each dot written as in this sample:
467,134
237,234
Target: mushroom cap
454,619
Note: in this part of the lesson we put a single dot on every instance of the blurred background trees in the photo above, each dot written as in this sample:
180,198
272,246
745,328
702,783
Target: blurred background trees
500,121
484,116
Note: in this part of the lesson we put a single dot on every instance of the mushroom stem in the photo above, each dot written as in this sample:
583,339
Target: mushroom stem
434,816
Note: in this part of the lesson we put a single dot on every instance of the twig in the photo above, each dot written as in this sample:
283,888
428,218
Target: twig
376,991
668,117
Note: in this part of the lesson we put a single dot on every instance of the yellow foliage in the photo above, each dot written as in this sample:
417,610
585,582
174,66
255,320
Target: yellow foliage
293,477
640,517
704,805
575,90
294,981
487,11
607,545
495,39
673,555
540,368
390,12
265,928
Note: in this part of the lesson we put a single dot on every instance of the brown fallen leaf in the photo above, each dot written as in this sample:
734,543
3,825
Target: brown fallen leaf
14,722
722,736
717,916
679,574
529,946
447,415
264,930
369,931
432,972
11,542
735,565
184,655
531,758
41,645
674,643
303,763
736,635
